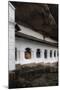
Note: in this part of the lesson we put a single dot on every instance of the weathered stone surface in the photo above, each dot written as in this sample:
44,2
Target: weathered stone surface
41,17
38,75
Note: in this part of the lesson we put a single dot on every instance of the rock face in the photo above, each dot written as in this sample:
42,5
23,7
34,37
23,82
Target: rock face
35,76
38,17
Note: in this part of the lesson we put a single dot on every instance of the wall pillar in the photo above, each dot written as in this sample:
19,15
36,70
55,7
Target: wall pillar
48,55
52,55
22,55
42,54
11,40
34,54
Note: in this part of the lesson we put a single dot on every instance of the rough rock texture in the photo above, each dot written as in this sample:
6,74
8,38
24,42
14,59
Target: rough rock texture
41,17
35,76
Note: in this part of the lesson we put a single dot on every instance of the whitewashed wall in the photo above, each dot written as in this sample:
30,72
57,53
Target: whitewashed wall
11,40
21,44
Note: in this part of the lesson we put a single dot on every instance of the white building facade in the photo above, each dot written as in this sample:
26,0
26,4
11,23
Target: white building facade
40,51
28,46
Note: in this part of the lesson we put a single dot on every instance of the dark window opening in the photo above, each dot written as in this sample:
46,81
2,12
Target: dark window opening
28,53
38,53
45,53
50,53
15,53
55,53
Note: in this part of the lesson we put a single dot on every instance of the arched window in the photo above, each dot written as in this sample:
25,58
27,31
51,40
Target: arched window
38,53
45,53
27,53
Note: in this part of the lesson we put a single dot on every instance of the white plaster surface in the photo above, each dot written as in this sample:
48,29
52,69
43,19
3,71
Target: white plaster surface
11,40
21,44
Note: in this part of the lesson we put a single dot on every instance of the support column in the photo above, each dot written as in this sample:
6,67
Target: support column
52,54
34,54
56,56
42,54
48,54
